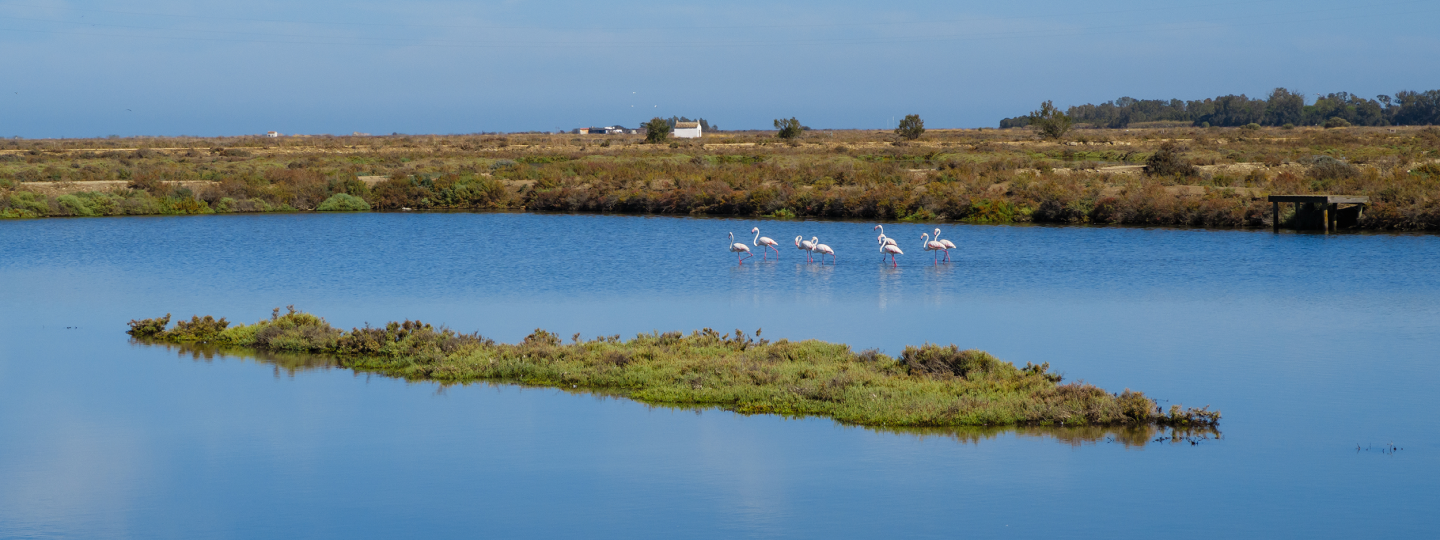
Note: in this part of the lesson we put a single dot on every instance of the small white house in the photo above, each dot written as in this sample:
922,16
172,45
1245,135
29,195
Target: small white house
272,134
687,130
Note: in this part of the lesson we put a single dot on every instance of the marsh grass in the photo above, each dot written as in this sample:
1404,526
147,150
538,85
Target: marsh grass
928,385
990,176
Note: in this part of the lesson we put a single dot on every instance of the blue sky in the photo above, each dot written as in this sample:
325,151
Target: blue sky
85,69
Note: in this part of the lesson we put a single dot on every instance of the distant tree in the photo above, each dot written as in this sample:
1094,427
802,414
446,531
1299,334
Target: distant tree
657,130
704,125
789,129
911,127
1050,121
1284,107
1016,122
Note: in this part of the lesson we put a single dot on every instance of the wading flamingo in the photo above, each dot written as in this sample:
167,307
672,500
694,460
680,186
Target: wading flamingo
931,245
763,242
892,250
884,239
737,248
809,247
823,249
948,244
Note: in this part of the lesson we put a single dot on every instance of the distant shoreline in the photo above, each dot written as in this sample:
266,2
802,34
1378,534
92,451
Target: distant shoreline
1216,177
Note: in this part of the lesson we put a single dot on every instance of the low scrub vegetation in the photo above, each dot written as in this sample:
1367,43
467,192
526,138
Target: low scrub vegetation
1187,177
929,385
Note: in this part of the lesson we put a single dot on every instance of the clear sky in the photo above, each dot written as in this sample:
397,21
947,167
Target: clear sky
88,68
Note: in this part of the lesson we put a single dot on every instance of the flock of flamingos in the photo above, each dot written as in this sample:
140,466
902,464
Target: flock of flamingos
888,248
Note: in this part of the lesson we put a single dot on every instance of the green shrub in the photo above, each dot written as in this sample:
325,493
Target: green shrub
1251,127
1167,161
30,202
342,202
911,127
148,328
657,130
992,211
71,205
788,129
296,331
1336,122
935,360
198,329
1329,168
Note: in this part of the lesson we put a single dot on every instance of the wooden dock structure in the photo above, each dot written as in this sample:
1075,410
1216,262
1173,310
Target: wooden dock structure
1328,207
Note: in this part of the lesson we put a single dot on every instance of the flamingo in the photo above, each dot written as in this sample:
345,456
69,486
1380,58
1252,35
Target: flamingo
809,247
931,245
763,242
823,249
948,244
737,248
892,250
884,239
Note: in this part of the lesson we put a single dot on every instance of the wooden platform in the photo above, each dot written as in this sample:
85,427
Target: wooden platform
1327,205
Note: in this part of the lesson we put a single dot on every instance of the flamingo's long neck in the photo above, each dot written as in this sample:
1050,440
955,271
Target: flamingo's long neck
757,237
732,241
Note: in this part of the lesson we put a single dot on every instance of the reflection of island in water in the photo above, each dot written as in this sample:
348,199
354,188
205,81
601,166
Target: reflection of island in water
288,362
1129,436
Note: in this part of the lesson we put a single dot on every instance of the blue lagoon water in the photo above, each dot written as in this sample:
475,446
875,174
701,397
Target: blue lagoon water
1319,349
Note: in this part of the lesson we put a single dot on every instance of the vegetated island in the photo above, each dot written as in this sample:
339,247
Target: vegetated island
929,385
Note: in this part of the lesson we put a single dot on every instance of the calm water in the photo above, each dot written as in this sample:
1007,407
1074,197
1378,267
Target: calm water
1309,344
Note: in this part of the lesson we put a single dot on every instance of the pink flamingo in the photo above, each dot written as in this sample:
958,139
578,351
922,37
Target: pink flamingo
763,242
824,250
737,248
892,250
809,248
884,239
931,245
948,244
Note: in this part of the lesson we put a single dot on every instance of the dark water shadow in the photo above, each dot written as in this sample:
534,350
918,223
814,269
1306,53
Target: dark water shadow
1130,437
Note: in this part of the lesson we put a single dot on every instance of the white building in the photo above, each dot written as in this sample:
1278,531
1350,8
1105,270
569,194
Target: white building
272,134
687,130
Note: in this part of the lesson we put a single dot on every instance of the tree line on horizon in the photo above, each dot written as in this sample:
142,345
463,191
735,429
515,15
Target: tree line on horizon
1282,107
